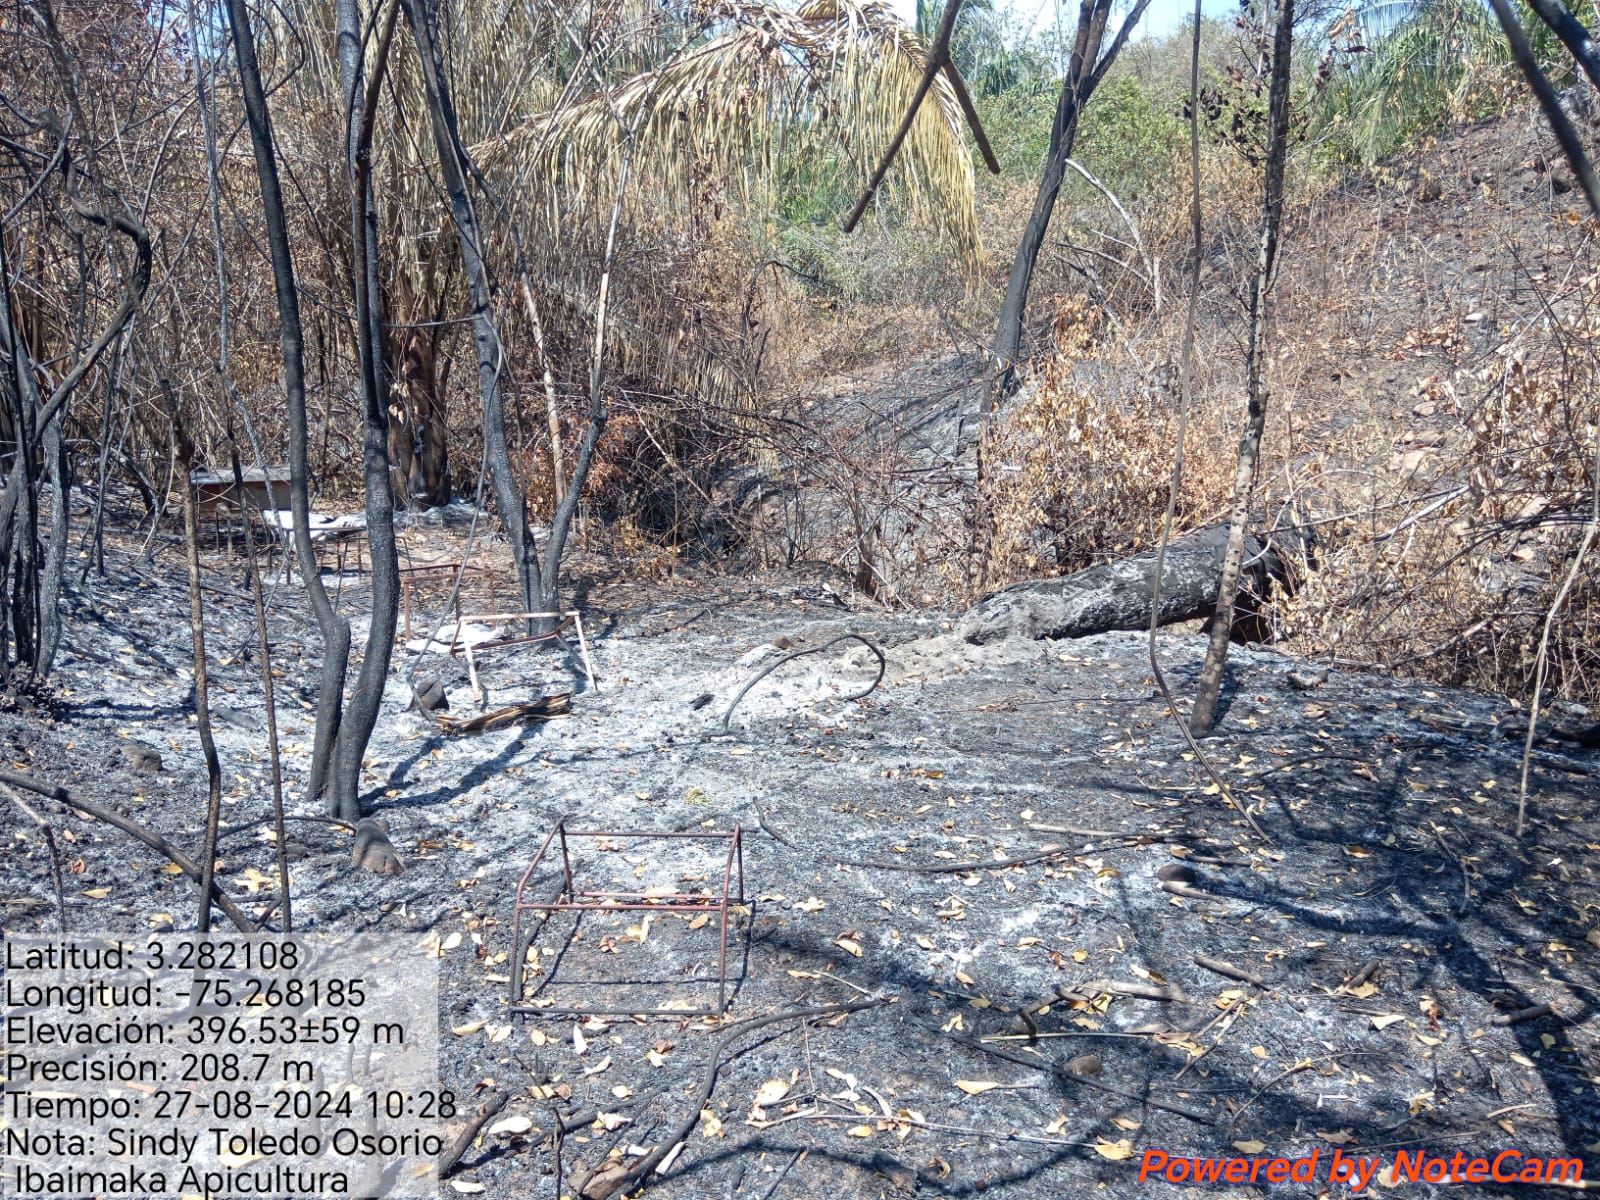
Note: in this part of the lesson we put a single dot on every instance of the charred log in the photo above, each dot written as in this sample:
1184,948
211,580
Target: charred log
1117,595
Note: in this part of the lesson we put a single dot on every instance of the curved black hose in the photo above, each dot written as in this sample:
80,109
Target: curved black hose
883,666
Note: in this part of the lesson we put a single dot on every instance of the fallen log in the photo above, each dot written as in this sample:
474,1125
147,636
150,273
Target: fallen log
1117,595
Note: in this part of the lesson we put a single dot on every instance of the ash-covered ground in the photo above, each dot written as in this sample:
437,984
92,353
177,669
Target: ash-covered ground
974,845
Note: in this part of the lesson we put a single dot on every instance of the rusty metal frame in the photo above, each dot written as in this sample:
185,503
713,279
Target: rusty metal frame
573,898
500,643
410,577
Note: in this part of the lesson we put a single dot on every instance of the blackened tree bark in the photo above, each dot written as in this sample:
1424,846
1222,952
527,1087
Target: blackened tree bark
1203,717
361,713
183,445
422,15
1086,68
31,572
1118,595
335,629
539,585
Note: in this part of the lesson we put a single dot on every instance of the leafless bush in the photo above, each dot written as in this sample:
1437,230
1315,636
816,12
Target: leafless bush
1078,470
1450,570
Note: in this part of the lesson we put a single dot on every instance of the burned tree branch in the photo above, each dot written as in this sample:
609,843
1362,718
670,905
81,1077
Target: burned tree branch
134,830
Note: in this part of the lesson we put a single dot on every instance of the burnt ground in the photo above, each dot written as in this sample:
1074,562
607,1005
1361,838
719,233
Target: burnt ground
1390,809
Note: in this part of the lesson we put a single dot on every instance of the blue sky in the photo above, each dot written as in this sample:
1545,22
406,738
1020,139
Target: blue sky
1161,18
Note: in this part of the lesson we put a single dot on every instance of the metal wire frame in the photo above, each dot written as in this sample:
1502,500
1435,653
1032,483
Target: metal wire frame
573,898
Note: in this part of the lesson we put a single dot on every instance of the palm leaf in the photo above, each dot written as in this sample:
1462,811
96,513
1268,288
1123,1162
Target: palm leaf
834,70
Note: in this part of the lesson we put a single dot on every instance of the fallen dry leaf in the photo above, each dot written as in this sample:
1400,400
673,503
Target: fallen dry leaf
976,1087
770,1092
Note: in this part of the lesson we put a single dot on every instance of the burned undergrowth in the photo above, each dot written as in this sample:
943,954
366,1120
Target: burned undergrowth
982,846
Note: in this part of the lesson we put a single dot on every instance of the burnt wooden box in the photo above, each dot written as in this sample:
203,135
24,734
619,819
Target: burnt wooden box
215,489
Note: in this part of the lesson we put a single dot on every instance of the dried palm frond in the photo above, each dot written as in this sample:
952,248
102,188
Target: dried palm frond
834,71
727,102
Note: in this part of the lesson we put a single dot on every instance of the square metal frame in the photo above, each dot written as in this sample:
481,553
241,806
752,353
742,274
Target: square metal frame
573,898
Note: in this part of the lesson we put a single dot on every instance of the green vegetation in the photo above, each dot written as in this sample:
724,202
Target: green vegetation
1448,62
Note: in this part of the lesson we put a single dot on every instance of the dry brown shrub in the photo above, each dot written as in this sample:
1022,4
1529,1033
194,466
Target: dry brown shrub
1078,470
1458,590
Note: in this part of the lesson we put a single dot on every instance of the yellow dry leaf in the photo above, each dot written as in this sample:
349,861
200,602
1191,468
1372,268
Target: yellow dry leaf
1384,1020
467,1030
1250,1147
976,1087
770,1092
1116,1151
859,1131
849,946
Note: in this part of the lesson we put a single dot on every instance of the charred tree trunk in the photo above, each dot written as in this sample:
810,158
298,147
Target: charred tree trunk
1203,717
1117,595
361,713
1085,70
183,446
419,444
31,571
335,629
422,15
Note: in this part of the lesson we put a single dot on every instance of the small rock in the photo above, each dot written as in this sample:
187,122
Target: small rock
1308,681
429,694
141,757
231,718
373,851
